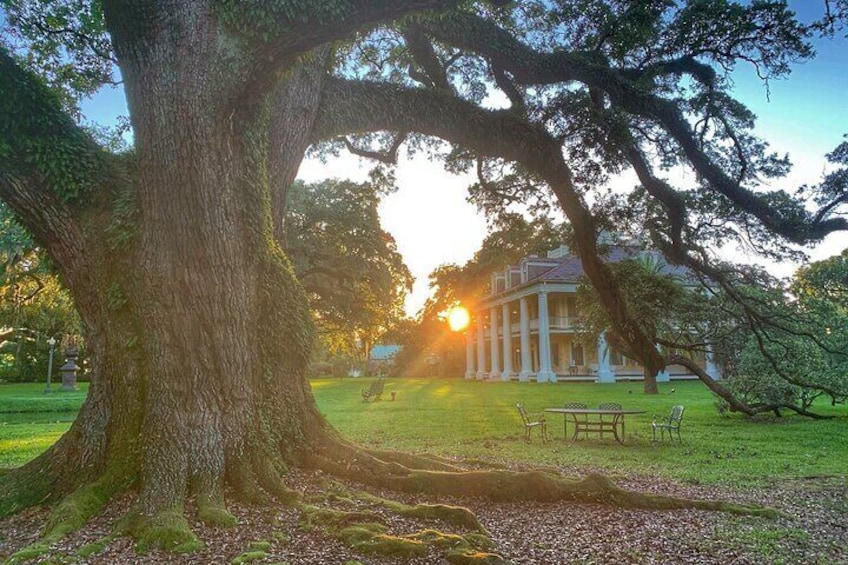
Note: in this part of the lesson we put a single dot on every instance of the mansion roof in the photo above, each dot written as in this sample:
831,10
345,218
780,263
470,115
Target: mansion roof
561,266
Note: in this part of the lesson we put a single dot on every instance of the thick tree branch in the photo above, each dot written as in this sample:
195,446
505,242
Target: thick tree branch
422,51
356,107
88,40
508,87
734,404
294,39
530,67
660,190
52,175
47,160
389,156
53,225
294,107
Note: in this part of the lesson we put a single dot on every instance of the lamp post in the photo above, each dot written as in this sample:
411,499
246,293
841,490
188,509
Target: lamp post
52,343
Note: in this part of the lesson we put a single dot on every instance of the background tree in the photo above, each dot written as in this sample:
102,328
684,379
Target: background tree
196,324
824,281
349,266
770,348
33,305
790,351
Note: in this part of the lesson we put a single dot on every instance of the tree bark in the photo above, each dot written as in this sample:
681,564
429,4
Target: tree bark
198,329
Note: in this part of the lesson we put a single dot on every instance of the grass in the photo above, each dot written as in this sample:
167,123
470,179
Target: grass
30,398
31,421
478,420
475,419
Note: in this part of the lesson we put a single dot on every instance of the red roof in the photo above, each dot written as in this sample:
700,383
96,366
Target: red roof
570,269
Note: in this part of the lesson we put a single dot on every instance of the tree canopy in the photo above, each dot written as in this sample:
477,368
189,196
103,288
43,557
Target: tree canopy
350,267
172,250
33,304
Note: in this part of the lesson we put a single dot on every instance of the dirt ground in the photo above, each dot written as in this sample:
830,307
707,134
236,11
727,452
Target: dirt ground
813,530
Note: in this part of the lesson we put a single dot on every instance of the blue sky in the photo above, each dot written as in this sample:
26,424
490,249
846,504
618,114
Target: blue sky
805,115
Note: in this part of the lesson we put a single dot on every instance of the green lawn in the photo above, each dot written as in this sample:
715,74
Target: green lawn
30,420
478,420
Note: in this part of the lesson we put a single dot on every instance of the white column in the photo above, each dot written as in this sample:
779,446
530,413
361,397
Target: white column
469,354
711,368
507,343
481,347
493,327
662,376
605,373
545,372
526,362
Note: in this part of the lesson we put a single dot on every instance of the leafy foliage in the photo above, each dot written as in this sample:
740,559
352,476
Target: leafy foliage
668,304
65,42
356,279
824,283
33,305
44,137
778,351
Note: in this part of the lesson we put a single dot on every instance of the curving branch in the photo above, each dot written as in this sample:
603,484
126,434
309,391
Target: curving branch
47,158
660,190
389,156
270,57
734,404
508,87
52,224
425,56
294,107
54,177
622,86
357,107
90,41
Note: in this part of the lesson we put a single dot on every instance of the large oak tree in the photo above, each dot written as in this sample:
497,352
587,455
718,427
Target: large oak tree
199,331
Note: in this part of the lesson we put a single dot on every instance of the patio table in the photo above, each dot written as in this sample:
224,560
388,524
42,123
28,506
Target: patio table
599,425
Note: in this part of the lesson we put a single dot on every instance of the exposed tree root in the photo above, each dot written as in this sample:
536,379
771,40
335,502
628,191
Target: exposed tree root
78,507
506,485
413,461
367,532
168,530
355,517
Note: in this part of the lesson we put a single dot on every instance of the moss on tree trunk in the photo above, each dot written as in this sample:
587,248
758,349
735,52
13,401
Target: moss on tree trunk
198,329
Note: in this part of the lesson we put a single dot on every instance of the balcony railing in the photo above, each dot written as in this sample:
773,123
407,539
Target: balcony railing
563,322
556,323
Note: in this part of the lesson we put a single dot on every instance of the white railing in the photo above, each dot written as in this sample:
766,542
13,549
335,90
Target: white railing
563,322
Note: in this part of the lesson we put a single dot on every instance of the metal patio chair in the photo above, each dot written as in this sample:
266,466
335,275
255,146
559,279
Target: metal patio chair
530,423
584,418
670,423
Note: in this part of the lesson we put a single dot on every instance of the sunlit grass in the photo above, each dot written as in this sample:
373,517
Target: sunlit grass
30,397
478,420
472,419
21,442
31,421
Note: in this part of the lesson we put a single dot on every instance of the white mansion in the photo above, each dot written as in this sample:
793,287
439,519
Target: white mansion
527,328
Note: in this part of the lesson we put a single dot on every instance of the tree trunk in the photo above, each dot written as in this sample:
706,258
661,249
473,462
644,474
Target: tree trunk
225,328
198,330
200,342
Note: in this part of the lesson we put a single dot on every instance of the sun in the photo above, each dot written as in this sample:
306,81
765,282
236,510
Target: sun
458,318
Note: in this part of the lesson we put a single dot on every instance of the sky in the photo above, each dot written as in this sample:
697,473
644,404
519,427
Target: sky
805,115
